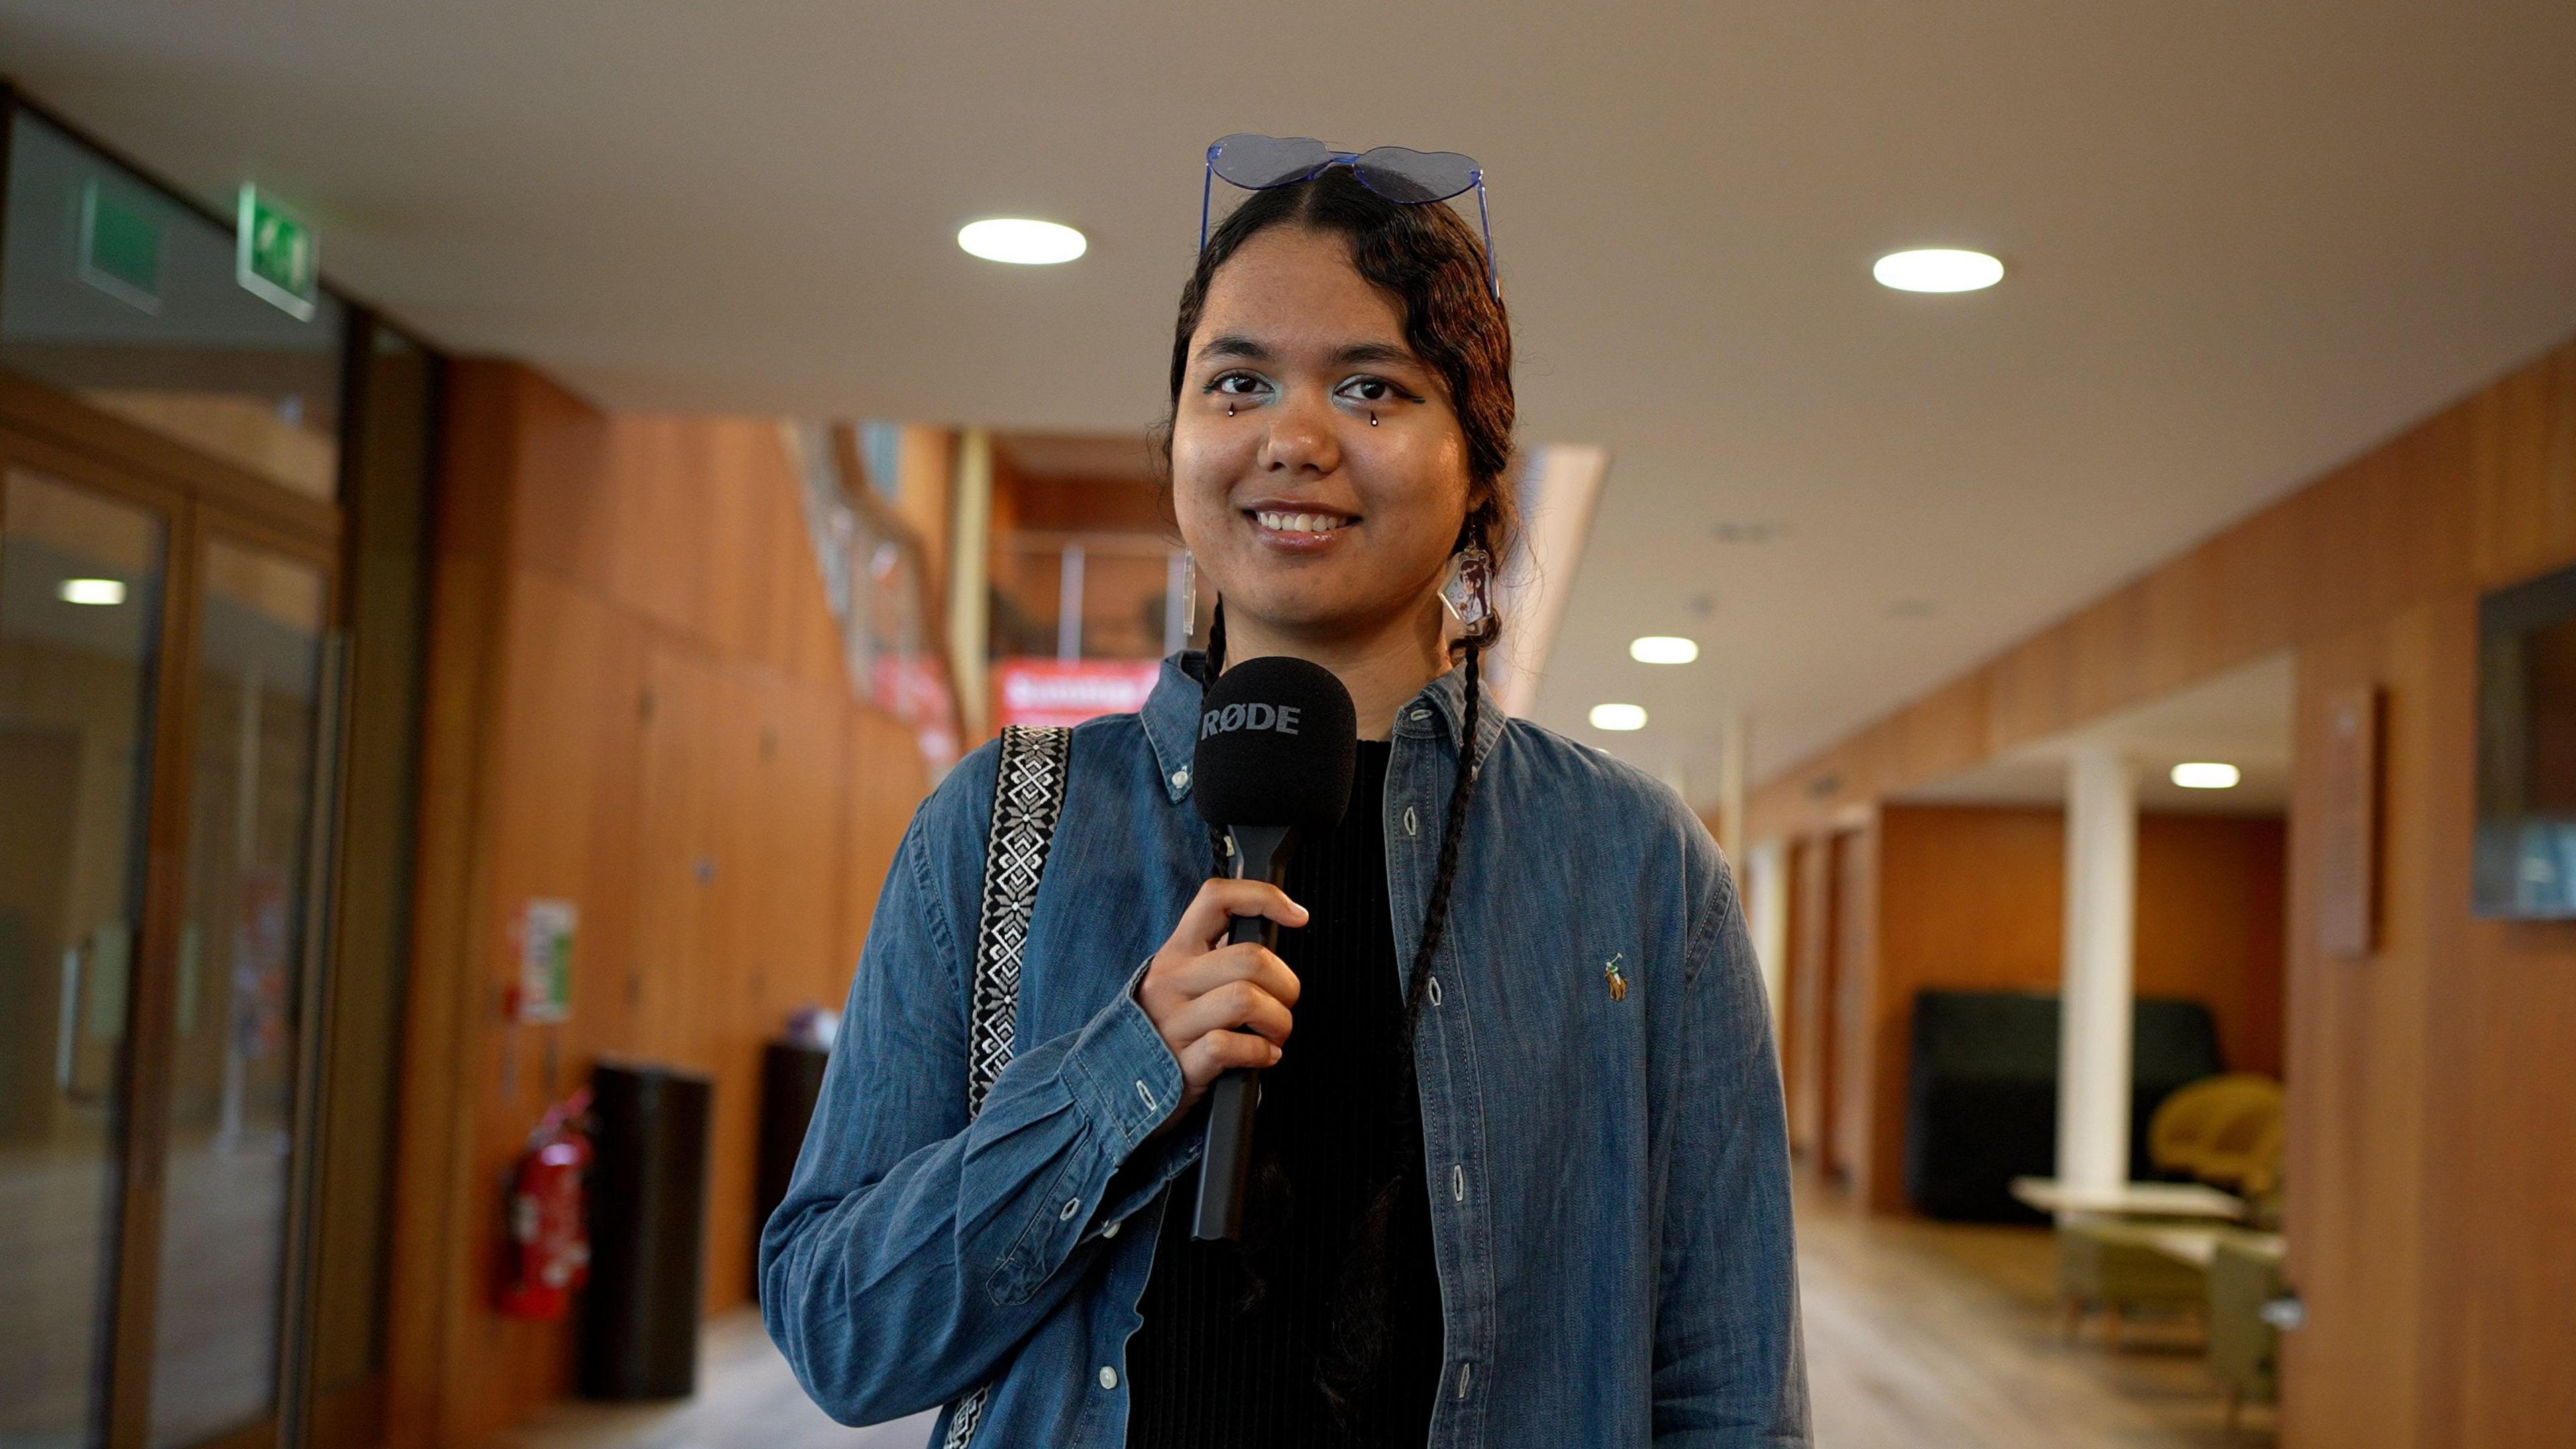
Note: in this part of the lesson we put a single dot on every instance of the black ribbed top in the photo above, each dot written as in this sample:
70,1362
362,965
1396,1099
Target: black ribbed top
1208,1372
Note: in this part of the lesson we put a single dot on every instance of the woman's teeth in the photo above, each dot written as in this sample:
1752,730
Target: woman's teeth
1300,522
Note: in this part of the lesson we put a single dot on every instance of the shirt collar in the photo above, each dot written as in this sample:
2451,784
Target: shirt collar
1171,716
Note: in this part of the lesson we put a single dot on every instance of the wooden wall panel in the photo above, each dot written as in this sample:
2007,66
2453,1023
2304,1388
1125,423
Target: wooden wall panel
638,704
2357,1063
2431,1123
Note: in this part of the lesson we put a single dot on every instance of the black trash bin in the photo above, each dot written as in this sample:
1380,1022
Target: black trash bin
791,1081
648,1233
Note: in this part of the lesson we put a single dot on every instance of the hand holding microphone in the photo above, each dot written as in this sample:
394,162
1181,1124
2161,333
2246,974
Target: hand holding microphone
1221,1005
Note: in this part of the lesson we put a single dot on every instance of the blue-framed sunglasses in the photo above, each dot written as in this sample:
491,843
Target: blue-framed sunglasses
1409,177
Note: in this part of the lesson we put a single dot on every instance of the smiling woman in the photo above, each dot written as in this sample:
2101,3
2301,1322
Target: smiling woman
1574,997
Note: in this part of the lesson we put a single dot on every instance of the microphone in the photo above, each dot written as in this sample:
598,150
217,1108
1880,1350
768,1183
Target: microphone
1278,741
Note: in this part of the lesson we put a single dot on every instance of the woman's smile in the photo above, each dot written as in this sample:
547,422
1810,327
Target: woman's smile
1294,526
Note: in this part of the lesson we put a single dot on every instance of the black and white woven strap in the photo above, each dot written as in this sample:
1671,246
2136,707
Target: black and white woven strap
1028,797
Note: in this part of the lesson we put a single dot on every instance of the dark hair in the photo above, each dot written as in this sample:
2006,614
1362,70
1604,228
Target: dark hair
1433,264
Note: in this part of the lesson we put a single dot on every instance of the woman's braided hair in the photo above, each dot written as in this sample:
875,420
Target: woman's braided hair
1433,263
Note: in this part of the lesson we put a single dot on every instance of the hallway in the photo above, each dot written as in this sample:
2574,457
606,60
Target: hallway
1919,1336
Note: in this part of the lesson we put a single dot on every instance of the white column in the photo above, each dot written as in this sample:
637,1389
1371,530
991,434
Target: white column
1734,742
1766,916
2101,933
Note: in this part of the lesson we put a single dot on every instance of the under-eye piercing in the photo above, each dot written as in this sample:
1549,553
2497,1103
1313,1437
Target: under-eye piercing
1372,420
1229,410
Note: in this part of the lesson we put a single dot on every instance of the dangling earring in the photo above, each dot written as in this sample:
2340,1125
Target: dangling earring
1184,618
1465,594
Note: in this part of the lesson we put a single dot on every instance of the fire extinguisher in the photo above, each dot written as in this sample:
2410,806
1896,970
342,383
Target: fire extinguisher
547,1255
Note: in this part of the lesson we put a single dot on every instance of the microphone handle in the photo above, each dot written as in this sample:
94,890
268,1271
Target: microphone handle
1225,1165
1232,1100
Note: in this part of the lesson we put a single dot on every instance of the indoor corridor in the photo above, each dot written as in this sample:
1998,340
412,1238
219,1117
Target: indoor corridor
1920,1335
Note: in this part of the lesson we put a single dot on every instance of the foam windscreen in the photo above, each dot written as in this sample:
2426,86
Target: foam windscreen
1277,743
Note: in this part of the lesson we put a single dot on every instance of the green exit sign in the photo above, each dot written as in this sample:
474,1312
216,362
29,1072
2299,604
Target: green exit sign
276,254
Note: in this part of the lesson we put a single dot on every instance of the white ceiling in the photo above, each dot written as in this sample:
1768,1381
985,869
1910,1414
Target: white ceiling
2246,242
2240,718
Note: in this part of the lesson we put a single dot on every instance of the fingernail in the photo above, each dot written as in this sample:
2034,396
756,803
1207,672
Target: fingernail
1276,1052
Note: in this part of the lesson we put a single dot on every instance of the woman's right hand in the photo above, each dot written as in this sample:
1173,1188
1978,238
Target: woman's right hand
1199,989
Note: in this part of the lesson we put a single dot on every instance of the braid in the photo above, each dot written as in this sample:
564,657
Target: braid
1357,1349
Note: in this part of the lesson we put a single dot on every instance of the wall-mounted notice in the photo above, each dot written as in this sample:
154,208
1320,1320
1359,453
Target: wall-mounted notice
545,960
2348,872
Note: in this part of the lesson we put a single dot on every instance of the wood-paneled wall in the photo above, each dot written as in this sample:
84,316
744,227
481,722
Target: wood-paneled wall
637,704
2432,1172
1970,898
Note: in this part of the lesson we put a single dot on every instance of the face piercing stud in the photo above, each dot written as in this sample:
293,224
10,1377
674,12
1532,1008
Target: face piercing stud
1372,420
1229,410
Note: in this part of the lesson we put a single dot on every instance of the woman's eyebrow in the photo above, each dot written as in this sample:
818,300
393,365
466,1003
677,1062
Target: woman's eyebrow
1235,344
1358,352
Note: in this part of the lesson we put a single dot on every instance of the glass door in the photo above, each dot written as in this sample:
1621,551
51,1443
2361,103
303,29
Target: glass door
237,1025
166,712
82,585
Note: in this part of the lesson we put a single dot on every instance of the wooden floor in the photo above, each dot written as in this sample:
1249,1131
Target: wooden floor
1919,1336
1926,1335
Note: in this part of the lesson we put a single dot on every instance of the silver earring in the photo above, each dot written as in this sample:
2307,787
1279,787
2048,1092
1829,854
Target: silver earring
1465,594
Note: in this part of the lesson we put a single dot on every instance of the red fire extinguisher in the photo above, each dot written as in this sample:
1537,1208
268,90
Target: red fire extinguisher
547,1255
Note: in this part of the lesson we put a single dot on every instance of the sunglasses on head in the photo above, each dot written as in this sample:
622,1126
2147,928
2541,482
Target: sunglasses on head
1400,174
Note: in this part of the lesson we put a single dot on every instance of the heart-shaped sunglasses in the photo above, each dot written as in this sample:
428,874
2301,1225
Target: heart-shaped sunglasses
1398,173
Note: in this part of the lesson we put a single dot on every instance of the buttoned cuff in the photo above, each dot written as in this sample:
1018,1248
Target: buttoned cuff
1121,1075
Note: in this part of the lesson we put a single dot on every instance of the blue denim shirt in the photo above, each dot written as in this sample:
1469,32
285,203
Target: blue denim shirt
1609,1176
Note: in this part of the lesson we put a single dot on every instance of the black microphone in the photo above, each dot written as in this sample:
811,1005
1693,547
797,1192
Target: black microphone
1278,741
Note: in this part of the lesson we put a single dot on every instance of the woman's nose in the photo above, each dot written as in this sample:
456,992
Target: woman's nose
1301,439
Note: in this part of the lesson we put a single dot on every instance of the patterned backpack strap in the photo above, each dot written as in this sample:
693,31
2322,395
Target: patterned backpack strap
1028,798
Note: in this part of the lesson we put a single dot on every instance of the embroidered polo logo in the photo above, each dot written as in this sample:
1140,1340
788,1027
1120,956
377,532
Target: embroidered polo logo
1610,974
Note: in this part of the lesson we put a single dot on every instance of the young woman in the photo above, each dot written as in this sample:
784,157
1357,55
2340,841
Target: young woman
1521,1174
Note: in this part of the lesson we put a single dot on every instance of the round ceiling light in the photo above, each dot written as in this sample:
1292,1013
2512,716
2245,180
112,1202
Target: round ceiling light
1021,241
1618,716
2206,775
1937,269
1663,649
91,591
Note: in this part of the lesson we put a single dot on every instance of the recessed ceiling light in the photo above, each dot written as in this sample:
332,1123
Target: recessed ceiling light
1662,649
1017,239
2206,775
1618,716
1937,269
91,591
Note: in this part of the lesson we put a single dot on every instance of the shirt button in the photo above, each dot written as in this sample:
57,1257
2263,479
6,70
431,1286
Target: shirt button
1108,1377
1071,1206
1110,1231
1180,777
1411,826
1421,714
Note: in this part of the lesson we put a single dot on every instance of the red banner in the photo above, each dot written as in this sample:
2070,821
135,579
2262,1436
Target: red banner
1052,692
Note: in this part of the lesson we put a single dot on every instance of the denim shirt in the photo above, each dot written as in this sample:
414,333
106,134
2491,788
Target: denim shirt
1609,1174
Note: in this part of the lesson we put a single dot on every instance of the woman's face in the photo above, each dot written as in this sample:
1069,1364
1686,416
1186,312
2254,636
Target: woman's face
1307,516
